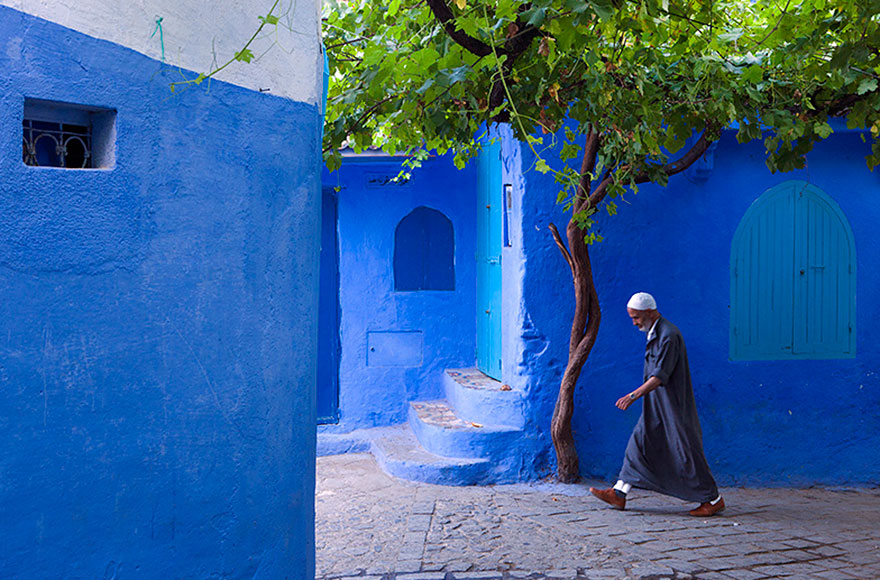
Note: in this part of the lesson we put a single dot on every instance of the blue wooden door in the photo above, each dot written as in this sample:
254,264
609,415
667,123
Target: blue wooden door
793,278
489,243
328,313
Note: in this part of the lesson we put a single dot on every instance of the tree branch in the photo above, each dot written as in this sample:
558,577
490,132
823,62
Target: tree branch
565,253
685,160
588,164
682,163
444,15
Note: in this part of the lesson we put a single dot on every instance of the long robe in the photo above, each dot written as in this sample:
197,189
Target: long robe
665,451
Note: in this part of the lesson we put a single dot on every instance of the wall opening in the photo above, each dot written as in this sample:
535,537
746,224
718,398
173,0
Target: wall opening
68,136
424,252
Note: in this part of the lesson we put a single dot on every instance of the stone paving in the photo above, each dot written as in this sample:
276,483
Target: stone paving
375,527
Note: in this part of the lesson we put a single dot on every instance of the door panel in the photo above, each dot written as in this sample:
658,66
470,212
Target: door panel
489,243
763,261
823,280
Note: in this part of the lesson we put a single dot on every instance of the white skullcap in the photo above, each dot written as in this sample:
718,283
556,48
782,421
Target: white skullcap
642,301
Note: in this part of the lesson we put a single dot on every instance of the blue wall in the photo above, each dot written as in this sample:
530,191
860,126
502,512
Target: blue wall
158,326
767,422
415,334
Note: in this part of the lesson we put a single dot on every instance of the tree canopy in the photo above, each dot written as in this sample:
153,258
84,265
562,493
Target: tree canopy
410,75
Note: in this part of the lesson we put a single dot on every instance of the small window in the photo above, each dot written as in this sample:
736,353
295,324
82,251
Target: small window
67,136
424,252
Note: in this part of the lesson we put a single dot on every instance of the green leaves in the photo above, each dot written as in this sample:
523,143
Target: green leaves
823,130
244,55
603,8
649,76
867,86
753,74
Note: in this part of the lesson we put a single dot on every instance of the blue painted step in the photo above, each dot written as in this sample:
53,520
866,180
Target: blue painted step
442,432
481,399
398,453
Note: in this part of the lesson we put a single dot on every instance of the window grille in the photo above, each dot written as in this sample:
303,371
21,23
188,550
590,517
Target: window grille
68,136
48,144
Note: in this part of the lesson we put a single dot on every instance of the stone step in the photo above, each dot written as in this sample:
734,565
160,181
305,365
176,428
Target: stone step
340,443
398,453
441,431
481,399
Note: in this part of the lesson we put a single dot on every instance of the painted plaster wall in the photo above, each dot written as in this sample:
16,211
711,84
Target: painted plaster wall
196,35
157,341
373,394
768,422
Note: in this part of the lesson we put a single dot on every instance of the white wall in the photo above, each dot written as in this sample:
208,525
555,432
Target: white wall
195,30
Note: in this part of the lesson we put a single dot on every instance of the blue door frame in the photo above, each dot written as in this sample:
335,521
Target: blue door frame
489,243
328,313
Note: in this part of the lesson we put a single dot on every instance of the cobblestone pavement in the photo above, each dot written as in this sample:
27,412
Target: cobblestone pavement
376,527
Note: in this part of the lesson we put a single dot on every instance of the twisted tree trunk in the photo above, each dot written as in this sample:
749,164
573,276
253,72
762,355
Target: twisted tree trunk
584,329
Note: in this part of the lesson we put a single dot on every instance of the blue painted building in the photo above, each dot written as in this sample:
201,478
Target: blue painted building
158,267
772,279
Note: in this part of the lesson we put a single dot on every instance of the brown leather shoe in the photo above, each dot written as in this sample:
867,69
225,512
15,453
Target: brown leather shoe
610,497
707,509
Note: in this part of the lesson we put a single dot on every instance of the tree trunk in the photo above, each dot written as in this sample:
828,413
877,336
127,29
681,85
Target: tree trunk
584,329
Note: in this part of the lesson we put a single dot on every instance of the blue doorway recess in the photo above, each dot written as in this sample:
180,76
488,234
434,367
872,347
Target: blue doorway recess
489,243
328,313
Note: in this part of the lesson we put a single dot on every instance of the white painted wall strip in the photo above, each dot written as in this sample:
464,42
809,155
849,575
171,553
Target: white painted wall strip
194,31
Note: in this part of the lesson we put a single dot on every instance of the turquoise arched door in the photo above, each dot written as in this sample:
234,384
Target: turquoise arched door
793,278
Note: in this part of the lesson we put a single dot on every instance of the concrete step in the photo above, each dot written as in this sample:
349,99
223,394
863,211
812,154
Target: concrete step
398,453
339,443
481,399
441,431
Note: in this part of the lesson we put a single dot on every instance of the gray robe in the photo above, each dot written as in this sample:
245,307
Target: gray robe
665,451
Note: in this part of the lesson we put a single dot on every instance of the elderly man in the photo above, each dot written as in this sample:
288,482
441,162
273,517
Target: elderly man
665,451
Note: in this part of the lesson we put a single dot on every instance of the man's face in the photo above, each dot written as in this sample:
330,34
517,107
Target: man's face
642,319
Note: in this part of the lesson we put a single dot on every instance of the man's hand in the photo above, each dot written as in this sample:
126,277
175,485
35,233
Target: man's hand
624,402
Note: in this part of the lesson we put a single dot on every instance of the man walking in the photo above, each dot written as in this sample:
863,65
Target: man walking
665,451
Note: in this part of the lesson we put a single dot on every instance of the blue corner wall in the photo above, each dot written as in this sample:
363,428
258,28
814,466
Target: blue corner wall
395,345
157,326
796,422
